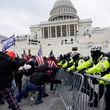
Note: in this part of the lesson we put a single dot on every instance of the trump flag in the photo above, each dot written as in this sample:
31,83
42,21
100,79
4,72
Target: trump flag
7,43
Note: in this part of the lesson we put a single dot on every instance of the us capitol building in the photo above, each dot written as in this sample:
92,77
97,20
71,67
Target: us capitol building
63,22
63,31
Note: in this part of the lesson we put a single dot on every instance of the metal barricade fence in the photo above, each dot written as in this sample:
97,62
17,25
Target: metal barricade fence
69,89
82,92
93,93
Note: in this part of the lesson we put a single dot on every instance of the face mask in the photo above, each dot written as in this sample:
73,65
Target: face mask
95,55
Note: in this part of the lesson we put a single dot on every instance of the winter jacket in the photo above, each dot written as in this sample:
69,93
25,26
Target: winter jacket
102,66
41,76
7,68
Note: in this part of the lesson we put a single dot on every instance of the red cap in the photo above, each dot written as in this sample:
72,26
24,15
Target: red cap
11,54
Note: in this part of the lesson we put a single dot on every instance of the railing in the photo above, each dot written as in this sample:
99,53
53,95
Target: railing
70,89
83,92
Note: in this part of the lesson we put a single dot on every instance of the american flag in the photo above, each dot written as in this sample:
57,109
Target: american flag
51,63
39,58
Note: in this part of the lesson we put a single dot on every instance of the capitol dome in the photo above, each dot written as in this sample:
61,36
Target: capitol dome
62,10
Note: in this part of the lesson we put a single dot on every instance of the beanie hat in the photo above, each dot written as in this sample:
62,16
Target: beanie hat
11,54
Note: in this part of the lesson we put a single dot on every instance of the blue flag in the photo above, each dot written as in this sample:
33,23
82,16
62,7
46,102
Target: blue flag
7,43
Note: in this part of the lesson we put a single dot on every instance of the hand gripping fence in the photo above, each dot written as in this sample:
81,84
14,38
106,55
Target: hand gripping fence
95,96
83,92
70,88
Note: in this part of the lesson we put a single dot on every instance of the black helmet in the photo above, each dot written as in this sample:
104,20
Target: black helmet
95,52
76,56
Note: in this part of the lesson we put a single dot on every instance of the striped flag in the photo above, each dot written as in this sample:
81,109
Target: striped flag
39,58
51,63
7,43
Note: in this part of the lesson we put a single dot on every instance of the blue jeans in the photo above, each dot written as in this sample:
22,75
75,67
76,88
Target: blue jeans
14,87
31,87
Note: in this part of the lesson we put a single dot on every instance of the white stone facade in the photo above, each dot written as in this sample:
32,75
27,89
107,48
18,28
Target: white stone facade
63,22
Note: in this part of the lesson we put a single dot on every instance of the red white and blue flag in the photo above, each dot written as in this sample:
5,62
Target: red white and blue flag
39,58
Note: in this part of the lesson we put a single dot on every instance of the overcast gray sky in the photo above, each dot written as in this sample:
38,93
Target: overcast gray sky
16,16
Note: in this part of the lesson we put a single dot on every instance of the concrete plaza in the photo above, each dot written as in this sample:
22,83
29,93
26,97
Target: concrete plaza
52,102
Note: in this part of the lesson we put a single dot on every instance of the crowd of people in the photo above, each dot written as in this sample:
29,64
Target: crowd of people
13,68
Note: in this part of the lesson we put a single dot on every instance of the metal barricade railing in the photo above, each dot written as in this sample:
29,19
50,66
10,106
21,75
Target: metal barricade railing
83,92
93,93
70,88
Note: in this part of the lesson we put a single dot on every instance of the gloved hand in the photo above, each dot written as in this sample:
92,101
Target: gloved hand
21,68
25,67
94,81
83,72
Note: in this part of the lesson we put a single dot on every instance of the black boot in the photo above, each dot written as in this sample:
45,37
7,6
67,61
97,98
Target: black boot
45,95
2,102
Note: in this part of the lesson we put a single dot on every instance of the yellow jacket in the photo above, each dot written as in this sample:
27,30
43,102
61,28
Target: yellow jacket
84,65
102,66
106,77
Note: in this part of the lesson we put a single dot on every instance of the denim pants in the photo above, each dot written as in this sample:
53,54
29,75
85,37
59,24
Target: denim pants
31,87
14,87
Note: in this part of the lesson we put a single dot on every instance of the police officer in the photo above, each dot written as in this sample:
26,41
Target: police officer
63,62
96,55
107,93
73,63
103,68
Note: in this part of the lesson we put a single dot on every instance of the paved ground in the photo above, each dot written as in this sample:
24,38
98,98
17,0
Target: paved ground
52,102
